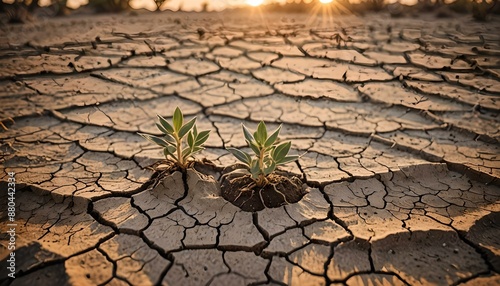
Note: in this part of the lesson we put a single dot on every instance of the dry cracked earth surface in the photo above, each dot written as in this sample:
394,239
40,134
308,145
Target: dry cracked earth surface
398,120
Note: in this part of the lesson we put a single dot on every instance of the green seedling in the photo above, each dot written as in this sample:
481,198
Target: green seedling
174,136
268,153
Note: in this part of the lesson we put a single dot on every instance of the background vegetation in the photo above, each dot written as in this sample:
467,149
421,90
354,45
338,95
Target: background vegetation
21,10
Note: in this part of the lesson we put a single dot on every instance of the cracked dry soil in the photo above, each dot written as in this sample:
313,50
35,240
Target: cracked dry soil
400,124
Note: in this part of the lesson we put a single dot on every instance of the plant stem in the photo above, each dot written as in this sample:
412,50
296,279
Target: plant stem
262,179
179,151
261,159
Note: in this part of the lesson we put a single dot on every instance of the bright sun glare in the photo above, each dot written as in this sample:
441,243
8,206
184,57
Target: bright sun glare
326,1
254,3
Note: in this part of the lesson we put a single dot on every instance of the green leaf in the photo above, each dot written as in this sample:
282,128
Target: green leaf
191,140
281,151
161,128
254,147
202,137
165,124
247,133
185,129
195,131
240,155
268,160
170,150
270,141
271,149
169,139
261,133
196,150
178,119
254,169
154,139
288,159
186,152
256,136
270,168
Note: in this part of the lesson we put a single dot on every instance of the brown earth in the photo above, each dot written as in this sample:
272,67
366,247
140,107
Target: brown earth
242,192
398,120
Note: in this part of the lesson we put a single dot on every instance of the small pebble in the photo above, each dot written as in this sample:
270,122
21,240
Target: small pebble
444,244
391,251
455,250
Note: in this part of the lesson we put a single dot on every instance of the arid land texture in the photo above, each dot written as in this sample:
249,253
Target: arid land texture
398,120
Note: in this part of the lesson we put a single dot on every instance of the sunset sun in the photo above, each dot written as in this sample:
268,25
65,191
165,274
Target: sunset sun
254,3
326,1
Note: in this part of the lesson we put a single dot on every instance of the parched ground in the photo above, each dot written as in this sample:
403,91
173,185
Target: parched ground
398,119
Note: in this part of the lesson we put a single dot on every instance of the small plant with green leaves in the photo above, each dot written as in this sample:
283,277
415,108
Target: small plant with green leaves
268,153
174,136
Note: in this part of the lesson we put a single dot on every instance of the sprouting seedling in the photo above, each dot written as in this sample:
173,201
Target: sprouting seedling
174,135
268,154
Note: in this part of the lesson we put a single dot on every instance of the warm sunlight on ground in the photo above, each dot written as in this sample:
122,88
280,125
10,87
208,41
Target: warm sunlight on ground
254,3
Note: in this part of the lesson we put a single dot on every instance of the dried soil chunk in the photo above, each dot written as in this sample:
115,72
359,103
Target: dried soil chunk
242,192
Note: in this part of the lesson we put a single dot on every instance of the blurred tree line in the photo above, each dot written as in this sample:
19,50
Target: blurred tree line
480,9
61,5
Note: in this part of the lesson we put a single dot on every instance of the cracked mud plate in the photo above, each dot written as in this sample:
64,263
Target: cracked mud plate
400,128
242,192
